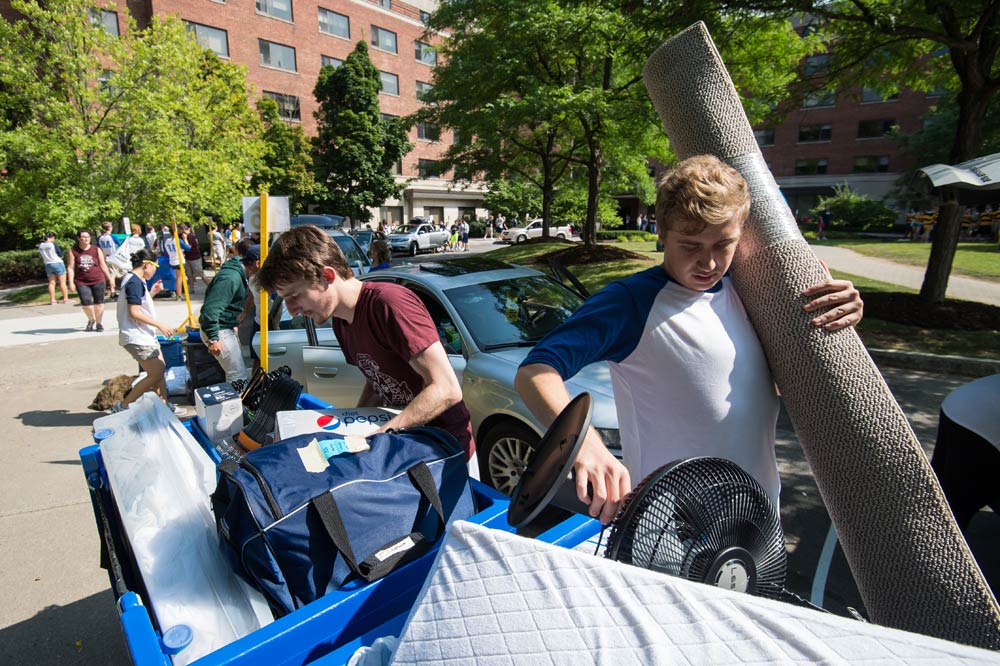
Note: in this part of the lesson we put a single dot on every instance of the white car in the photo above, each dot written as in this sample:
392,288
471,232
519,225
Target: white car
534,230
417,236
489,314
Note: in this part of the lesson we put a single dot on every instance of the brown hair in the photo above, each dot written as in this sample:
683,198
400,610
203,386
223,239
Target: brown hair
301,253
698,191
380,252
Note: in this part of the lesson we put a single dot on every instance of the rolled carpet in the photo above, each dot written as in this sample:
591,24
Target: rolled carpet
912,565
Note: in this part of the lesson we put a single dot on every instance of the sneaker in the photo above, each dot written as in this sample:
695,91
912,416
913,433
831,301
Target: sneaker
118,407
177,410
90,326
99,328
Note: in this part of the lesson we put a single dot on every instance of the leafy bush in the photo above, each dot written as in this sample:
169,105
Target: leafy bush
624,236
20,266
851,210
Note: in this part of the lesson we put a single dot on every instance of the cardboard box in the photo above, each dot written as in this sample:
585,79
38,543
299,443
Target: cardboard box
219,410
361,421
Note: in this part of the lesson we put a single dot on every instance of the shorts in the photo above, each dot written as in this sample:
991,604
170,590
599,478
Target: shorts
58,268
91,294
142,352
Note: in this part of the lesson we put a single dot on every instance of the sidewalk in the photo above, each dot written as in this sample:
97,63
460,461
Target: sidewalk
849,261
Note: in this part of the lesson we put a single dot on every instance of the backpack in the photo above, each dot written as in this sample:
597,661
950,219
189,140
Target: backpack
295,534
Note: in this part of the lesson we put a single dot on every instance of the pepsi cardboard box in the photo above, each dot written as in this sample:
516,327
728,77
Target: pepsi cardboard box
361,421
219,411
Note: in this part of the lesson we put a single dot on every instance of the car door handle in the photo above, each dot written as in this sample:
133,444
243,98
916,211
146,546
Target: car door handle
325,373
276,351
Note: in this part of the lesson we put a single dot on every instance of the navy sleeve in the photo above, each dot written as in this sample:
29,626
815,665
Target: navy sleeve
135,290
607,327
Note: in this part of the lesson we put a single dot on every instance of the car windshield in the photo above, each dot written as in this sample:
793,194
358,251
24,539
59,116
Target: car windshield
515,312
363,236
406,229
351,251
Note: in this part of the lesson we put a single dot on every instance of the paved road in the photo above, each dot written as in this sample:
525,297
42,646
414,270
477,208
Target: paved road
57,607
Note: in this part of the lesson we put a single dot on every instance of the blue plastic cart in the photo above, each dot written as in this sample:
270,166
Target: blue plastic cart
326,632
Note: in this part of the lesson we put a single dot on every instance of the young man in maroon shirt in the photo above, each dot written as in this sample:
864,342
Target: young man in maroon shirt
383,329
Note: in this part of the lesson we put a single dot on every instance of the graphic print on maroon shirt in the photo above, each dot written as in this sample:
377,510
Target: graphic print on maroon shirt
391,325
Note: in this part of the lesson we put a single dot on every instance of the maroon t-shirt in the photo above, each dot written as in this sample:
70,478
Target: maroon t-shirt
391,326
195,252
86,266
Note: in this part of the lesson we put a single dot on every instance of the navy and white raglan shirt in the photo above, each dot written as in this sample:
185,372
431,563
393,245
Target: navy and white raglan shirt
131,332
688,372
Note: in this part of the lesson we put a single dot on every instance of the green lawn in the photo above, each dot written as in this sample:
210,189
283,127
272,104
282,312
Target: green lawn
977,260
876,333
35,295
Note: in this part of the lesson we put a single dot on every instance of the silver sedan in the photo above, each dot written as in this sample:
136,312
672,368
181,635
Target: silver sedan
489,315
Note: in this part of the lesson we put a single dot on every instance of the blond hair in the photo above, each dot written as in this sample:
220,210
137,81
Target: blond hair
301,254
698,191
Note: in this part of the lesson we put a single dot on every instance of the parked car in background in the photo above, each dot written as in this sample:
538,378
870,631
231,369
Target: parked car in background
489,314
534,230
419,235
365,237
323,221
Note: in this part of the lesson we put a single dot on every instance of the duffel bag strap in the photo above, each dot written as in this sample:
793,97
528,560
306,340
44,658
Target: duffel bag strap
393,554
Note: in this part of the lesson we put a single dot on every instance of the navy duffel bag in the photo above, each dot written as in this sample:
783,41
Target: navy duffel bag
296,534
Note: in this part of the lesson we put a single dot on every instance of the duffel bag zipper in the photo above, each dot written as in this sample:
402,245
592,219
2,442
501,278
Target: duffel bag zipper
264,488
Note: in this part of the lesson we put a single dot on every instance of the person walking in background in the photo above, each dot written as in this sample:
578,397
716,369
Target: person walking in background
380,254
192,257
88,275
464,231
150,238
168,247
489,228
106,241
54,266
137,327
120,261
218,248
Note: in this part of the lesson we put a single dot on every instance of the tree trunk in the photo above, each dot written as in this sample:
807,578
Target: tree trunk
589,235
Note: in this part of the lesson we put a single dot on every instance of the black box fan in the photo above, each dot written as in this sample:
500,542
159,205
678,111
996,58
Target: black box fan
703,519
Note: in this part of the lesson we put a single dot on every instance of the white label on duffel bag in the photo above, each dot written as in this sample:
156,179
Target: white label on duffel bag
402,546
312,457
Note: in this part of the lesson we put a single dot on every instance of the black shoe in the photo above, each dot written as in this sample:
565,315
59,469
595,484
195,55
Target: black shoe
90,326
99,328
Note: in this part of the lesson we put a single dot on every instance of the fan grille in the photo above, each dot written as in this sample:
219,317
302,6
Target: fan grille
682,516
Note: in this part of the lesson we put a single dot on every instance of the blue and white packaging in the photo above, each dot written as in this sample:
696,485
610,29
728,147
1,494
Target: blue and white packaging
220,411
361,421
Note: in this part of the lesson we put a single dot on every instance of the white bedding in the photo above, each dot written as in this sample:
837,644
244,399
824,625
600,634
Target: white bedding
495,598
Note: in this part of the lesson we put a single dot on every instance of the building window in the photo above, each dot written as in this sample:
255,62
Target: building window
385,4
455,138
276,55
428,132
817,64
428,168
765,137
210,38
288,106
871,164
279,9
870,95
383,40
810,167
874,129
332,62
425,53
425,17
423,89
105,18
335,24
390,83
819,98
821,132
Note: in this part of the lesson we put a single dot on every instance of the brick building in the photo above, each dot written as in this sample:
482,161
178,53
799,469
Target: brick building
284,43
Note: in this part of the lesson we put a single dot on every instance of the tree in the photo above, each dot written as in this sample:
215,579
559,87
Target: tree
922,45
355,147
286,167
93,125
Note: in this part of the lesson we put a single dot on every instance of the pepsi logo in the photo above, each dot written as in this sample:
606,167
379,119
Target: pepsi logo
328,422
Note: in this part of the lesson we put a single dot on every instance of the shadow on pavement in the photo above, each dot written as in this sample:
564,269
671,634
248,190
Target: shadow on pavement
57,417
83,633
50,331
64,462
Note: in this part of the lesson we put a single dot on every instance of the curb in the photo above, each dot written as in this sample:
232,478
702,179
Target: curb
953,365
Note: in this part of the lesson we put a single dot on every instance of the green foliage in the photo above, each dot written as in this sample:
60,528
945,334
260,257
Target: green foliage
851,210
625,236
355,148
20,266
510,196
147,124
286,166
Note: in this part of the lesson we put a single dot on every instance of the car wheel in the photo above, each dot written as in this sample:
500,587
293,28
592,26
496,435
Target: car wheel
505,451
413,249
522,238
561,236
